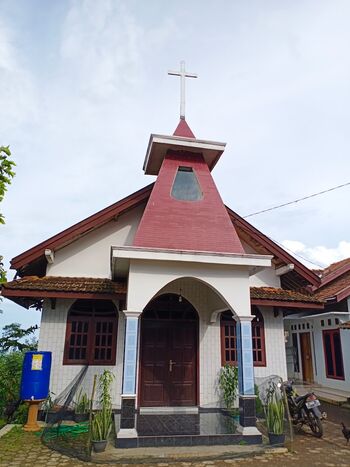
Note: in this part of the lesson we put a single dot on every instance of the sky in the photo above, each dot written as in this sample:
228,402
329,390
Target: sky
84,83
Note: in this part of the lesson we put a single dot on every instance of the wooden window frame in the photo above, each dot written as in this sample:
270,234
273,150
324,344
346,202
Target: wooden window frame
332,332
92,316
225,322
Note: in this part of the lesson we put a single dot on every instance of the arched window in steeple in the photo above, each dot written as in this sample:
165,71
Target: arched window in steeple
186,186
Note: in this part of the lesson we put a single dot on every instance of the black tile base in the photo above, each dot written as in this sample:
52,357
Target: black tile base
127,413
159,441
247,416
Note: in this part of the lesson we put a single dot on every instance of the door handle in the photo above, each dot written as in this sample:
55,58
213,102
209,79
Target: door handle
171,363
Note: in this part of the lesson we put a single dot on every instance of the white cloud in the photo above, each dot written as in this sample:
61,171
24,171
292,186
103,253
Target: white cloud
318,255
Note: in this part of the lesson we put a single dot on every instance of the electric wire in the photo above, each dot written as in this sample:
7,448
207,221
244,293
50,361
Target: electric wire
296,200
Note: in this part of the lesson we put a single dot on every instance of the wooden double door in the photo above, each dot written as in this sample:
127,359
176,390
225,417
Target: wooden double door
168,356
306,357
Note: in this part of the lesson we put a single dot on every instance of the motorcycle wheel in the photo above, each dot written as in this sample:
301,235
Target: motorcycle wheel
316,425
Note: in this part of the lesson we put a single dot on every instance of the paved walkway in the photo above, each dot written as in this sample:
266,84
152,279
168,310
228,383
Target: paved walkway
21,449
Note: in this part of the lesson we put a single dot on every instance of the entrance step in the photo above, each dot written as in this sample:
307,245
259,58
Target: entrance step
168,410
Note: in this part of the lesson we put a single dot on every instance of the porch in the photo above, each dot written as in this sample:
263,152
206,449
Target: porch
205,428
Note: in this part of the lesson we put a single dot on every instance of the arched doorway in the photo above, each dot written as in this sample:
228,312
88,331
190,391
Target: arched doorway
168,353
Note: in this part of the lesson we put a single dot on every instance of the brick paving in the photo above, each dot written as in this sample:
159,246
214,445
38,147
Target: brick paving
21,449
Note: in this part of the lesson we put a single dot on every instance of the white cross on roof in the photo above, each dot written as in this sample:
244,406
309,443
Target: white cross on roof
183,75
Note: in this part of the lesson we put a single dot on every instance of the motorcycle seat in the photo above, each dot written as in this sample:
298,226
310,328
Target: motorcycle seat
299,398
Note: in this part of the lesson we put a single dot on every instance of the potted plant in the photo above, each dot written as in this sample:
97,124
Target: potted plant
101,421
275,420
82,408
101,426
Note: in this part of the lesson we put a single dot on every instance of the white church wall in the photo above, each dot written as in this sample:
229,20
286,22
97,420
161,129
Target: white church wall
265,278
89,256
52,338
146,278
274,346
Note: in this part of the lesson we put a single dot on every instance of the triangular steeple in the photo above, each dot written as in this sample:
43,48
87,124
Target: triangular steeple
183,130
185,210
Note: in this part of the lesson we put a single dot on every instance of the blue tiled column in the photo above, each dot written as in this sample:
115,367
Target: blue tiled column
128,403
247,415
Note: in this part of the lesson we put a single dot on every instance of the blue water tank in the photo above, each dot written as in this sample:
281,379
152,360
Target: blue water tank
35,375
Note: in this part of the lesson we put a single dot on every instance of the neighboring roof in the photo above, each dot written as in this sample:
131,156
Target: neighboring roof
62,287
336,267
288,298
183,130
345,325
337,289
67,236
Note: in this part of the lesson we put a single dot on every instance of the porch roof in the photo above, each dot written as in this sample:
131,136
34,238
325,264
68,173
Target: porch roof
273,296
34,287
30,289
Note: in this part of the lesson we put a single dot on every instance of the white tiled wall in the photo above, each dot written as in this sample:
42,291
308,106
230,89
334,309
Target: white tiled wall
52,337
53,328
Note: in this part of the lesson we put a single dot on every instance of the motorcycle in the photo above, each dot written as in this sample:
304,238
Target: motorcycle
304,410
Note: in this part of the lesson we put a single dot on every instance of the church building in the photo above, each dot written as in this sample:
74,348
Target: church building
164,288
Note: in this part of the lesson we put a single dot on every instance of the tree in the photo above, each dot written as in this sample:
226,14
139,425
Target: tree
14,338
6,176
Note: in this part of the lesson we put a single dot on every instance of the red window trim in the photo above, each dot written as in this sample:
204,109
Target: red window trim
224,322
332,332
93,317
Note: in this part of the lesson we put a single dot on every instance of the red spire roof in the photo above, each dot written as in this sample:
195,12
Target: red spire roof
183,130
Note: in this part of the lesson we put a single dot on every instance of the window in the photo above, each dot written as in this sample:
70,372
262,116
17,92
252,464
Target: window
91,333
322,322
186,186
333,354
228,330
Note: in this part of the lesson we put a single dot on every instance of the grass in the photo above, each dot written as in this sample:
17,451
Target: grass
2,422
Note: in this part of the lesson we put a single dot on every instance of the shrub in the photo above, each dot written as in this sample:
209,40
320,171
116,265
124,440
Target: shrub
228,384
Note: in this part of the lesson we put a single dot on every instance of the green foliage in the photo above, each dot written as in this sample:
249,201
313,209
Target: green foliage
6,173
12,338
82,404
275,417
258,403
228,384
101,423
21,414
10,377
274,411
104,383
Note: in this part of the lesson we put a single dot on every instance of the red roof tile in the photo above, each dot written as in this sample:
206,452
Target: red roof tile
65,284
335,288
271,293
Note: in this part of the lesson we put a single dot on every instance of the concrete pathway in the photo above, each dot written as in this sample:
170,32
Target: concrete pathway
21,449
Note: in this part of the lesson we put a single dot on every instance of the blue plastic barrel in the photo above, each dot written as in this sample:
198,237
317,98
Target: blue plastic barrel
35,375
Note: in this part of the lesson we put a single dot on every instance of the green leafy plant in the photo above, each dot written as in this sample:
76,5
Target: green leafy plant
275,415
82,403
259,408
228,384
101,423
